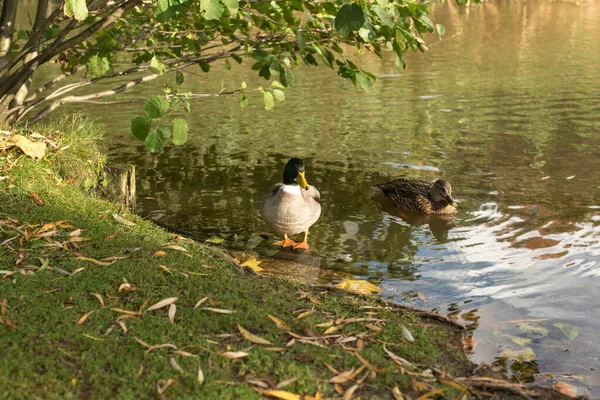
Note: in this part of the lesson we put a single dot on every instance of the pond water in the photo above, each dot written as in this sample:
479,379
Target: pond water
506,107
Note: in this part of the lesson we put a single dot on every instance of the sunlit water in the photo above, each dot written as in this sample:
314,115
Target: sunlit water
506,107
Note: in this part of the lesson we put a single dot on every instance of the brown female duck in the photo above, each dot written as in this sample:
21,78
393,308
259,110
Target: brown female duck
419,196
293,206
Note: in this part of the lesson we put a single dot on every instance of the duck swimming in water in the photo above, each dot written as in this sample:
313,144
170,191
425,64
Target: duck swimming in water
419,196
292,207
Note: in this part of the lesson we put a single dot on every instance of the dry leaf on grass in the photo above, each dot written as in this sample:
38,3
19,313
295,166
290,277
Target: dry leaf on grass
172,311
128,312
123,326
280,323
348,394
163,384
35,150
4,306
397,393
174,247
162,303
99,297
407,335
200,375
281,394
101,263
252,263
251,337
218,310
127,287
83,318
36,198
122,220
174,365
358,286
200,302
234,354
159,253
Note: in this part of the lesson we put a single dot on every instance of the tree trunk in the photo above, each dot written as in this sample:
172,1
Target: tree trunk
7,26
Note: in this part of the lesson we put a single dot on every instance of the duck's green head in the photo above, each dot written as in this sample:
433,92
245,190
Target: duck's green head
293,173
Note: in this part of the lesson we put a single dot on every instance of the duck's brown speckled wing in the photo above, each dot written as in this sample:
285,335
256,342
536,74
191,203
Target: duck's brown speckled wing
408,195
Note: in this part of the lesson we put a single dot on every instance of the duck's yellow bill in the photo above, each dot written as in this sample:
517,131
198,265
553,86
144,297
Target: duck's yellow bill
302,180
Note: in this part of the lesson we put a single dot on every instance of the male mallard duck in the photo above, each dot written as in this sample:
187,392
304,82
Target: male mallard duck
292,207
420,196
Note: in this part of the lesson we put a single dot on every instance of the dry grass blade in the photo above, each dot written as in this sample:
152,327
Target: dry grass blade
101,263
200,302
163,384
281,394
280,323
122,220
174,365
84,318
163,303
200,375
234,354
161,346
218,310
251,337
172,311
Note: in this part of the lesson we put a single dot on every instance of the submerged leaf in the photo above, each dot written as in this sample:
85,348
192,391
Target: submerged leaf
525,354
358,286
570,331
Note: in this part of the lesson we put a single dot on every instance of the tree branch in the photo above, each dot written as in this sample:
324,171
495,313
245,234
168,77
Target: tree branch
7,25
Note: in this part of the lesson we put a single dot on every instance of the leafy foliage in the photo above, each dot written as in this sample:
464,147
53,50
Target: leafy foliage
271,37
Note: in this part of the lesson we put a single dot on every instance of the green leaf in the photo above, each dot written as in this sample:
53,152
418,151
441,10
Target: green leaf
269,100
156,106
227,64
205,67
286,76
364,33
157,66
166,132
155,141
244,101
163,12
211,9
180,131
98,66
277,84
279,95
140,127
237,58
440,29
386,18
363,80
300,40
232,6
349,19
77,9
179,77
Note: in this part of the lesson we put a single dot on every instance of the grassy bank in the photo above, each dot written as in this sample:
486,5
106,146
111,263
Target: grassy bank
80,277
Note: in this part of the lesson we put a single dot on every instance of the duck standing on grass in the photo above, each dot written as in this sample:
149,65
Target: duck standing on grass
419,196
293,206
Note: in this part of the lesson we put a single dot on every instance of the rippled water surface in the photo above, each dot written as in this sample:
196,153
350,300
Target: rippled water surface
506,107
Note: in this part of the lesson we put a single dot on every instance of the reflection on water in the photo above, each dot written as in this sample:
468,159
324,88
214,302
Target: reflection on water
506,107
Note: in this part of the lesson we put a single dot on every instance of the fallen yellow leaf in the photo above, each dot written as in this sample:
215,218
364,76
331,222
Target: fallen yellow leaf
160,253
218,310
35,150
358,286
251,337
280,323
172,311
101,263
83,318
252,263
282,394
199,303
432,393
200,376
128,312
122,220
174,247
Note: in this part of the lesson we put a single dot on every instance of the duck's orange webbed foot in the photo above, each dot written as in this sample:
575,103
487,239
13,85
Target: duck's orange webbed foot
286,242
303,244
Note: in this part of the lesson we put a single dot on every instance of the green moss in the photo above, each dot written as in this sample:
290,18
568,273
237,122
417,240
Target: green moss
48,356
